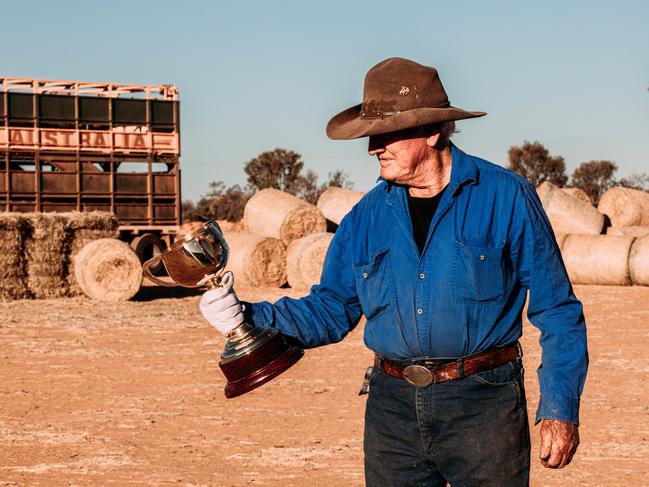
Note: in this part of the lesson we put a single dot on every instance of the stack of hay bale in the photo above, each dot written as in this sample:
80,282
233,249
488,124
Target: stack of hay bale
284,239
37,251
618,257
13,265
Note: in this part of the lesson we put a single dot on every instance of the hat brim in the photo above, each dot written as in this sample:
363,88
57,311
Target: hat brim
349,124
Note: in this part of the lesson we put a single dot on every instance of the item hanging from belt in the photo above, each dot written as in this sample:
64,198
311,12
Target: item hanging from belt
422,374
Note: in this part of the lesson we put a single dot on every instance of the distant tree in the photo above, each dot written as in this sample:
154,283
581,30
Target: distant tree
636,181
221,203
190,212
227,203
279,169
594,177
311,190
339,179
533,161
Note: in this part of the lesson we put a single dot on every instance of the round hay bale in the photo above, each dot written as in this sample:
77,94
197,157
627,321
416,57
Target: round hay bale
639,261
86,227
568,214
625,207
628,231
274,213
560,238
256,260
579,193
335,203
108,270
228,226
305,258
597,259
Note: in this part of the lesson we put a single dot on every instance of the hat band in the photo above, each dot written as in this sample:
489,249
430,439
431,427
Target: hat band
375,115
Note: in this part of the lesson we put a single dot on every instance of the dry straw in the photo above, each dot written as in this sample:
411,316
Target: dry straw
567,213
628,231
274,213
84,227
14,228
580,194
46,252
335,203
256,260
305,259
639,261
597,259
625,207
560,238
108,270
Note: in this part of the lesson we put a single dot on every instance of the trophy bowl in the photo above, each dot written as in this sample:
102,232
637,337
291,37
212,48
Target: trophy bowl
253,355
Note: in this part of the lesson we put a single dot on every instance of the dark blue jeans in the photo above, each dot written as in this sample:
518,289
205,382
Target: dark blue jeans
468,432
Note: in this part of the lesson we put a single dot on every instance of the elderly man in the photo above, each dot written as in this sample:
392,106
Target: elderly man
439,257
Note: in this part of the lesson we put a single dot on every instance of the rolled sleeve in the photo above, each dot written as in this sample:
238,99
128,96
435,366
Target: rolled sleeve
553,309
328,313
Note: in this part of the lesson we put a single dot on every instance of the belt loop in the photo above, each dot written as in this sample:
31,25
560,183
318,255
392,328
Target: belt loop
460,368
520,350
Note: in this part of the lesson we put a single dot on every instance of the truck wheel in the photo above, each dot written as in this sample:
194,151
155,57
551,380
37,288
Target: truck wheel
147,246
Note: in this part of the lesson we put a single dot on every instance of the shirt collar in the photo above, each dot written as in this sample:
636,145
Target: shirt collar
463,171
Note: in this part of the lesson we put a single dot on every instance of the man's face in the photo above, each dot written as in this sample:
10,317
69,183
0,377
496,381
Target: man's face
399,153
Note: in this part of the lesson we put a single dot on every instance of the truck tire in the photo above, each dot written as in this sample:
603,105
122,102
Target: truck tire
147,246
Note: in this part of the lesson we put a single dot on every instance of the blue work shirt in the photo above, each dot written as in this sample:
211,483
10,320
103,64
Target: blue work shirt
488,244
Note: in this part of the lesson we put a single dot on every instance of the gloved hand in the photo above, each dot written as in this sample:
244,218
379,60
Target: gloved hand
221,307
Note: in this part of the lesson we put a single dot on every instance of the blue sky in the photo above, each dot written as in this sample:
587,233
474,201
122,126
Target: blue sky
258,75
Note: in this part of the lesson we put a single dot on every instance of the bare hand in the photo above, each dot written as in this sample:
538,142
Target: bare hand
559,441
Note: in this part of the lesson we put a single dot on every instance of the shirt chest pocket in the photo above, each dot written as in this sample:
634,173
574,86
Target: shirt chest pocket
479,271
374,284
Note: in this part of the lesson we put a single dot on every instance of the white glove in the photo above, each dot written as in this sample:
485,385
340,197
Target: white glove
221,307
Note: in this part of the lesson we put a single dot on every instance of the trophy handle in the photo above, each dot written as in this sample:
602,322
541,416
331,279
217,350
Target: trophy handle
146,269
207,247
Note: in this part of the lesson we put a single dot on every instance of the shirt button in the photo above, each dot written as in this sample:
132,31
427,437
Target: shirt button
420,311
364,275
421,276
482,257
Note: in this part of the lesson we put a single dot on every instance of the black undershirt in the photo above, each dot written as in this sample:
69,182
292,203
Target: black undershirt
422,211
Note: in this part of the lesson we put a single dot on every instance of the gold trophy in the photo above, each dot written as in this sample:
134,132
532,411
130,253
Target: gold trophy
253,355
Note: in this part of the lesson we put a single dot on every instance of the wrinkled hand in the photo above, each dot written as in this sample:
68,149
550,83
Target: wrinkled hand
559,441
221,306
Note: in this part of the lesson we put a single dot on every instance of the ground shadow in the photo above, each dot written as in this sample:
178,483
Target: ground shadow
151,293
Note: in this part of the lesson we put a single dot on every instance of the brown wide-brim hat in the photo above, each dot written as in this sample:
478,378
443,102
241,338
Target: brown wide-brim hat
398,94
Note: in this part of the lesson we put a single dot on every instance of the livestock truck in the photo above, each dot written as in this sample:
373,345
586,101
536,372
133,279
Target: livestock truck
73,145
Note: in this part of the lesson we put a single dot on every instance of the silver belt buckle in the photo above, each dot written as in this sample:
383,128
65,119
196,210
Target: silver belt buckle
418,375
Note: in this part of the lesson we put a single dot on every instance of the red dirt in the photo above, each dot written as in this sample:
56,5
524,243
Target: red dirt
130,394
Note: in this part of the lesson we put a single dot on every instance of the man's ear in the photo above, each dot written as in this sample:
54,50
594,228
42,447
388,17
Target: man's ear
433,140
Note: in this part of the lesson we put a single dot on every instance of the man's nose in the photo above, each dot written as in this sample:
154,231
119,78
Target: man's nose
375,146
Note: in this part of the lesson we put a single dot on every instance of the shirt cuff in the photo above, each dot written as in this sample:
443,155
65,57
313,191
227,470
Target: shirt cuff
253,314
562,408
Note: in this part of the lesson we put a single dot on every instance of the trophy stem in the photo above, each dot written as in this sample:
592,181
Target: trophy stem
239,332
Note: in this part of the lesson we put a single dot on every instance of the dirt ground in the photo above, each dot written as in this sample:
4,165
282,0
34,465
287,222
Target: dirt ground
131,394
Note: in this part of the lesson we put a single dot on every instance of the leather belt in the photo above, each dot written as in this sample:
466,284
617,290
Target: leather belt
422,374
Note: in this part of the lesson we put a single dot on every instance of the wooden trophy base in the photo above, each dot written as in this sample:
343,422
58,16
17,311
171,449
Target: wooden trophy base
253,356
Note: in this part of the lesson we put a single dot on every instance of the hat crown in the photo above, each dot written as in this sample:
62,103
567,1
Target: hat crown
397,84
